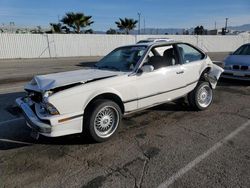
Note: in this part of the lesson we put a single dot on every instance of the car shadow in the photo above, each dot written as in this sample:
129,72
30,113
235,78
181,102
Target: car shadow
178,105
170,107
17,134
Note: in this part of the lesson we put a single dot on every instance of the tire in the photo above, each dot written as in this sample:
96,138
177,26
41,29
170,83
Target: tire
102,120
201,97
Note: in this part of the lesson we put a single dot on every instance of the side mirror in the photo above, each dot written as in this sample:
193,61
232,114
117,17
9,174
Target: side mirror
147,68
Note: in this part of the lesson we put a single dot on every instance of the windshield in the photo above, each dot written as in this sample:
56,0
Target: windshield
122,59
243,50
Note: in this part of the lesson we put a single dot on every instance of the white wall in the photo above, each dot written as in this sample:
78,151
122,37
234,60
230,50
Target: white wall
68,45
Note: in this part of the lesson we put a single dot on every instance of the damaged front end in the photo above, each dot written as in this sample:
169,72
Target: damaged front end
37,94
42,116
37,124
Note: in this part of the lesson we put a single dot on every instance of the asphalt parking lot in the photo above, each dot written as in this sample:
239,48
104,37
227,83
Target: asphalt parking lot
169,145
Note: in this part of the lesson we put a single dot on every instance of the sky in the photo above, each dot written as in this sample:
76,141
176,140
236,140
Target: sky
157,13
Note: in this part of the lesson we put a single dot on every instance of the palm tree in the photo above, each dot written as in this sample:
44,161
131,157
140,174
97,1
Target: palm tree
56,27
126,24
76,21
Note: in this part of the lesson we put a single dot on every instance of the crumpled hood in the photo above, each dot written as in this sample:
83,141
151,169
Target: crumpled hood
51,81
238,60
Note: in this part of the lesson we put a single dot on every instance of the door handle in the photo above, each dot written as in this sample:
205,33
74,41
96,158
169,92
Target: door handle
180,72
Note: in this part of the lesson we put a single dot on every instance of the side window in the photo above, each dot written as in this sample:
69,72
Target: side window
189,54
160,50
162,56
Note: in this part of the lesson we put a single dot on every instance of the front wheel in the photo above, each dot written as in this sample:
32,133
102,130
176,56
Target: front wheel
201,97
103,119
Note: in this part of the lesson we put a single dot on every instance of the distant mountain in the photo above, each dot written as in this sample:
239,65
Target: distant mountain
154,31
163,31
245,27
100,32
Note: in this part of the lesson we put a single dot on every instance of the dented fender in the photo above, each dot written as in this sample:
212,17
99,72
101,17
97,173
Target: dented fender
213,75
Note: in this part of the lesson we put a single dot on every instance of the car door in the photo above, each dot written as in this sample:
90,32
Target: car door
163,83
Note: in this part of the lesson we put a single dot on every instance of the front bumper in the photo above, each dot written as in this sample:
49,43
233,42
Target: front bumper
236,74
47,125
32,120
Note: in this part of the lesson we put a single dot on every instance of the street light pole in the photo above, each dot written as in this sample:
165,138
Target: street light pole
144,25
226,24
139,23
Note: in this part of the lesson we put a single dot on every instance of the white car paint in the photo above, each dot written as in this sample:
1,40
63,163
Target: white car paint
51,81
136,91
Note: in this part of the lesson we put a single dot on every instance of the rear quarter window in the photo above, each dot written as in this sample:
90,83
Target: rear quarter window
189,53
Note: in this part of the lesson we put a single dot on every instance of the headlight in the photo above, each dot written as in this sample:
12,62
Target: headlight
51,109
225,66
47,94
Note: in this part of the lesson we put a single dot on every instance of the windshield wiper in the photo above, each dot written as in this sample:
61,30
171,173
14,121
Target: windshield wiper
109,67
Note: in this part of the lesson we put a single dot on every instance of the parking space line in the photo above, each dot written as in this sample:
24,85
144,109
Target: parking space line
15,141
11,121
203,156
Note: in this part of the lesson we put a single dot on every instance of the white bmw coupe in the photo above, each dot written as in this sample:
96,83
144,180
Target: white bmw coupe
129,79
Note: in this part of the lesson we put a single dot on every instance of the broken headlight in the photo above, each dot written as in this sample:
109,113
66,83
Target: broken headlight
51,109
46,94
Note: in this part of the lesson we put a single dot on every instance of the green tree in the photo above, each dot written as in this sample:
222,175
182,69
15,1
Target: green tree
126,24
89,31
37,30
199,30
56,27
77,21
111,31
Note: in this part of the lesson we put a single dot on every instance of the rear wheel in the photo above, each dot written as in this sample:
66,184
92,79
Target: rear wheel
102,120
201,97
